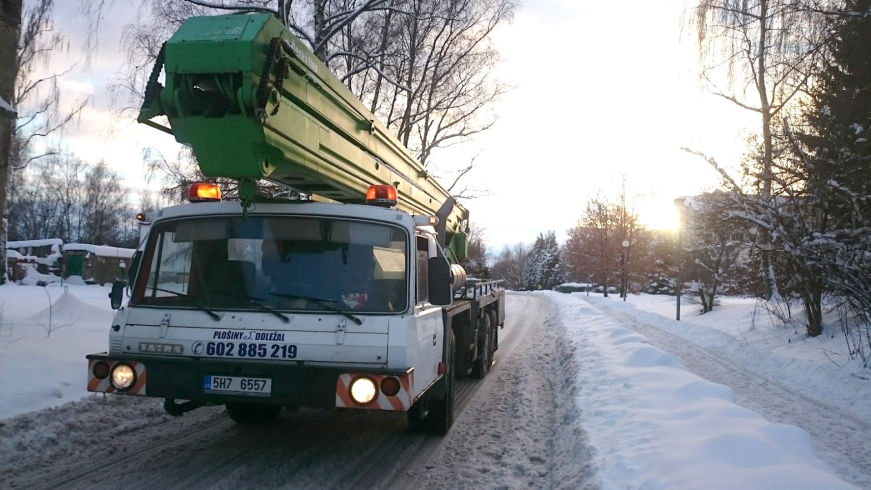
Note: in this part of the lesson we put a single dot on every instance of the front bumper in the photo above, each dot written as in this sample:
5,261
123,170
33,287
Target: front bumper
292,384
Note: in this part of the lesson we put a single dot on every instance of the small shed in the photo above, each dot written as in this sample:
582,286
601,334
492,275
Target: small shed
98,264
45,253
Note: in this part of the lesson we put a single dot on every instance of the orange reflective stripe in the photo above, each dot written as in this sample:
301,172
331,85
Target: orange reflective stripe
342,391
140,381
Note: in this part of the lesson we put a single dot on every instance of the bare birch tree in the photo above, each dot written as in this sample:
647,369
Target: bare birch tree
711,244
10,29
509,265
433,80
29,40
759,56
423,66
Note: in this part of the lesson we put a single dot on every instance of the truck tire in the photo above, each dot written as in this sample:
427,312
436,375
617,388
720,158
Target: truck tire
439,416
252,413
485,349
494,343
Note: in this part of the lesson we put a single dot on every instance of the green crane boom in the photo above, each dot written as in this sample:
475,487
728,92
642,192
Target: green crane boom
253,102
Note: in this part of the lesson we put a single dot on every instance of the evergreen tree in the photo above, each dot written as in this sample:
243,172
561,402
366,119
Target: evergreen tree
841,120
542,270
838,160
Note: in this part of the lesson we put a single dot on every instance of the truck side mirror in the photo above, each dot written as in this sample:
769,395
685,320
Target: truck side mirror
117,294
440,292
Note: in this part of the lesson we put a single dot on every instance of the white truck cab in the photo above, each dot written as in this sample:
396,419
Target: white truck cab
293,304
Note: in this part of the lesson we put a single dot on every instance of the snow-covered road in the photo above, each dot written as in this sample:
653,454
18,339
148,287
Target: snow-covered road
509,433
586,392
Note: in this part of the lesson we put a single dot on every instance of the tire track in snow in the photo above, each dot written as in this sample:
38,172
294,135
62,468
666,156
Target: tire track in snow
521,428
840,439
524,407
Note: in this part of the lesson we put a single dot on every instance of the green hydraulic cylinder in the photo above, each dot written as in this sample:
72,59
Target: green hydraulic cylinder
253,102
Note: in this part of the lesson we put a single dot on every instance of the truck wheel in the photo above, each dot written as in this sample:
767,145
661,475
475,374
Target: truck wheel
417,416
250,413
485,349
439,414
494,328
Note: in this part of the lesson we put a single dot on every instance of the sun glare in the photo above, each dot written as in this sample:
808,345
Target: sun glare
659,215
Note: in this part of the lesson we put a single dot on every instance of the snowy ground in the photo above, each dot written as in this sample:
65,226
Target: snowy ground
641,398
42,349
656,424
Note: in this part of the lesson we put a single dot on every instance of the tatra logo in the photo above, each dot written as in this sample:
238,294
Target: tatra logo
161,348
247,335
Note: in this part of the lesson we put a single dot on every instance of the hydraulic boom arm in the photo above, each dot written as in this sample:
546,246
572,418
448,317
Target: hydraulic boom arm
253,102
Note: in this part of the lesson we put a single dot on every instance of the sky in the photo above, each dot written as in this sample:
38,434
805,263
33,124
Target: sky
599,96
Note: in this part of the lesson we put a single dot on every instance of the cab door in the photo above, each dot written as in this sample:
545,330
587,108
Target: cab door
428,317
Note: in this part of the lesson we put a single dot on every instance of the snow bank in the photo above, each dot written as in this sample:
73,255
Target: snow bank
654,424
739,330
43,364
32,277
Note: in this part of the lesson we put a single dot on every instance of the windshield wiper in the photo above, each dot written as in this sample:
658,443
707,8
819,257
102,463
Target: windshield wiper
257,302
254,302
329,304
196,298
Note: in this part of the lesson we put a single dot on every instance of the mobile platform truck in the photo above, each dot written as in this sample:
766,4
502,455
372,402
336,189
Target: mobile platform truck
352,298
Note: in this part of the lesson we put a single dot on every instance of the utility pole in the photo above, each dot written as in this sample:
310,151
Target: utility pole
679,283
624,283
680,204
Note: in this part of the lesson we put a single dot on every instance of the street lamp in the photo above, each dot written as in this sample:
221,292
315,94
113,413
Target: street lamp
681,205
623,283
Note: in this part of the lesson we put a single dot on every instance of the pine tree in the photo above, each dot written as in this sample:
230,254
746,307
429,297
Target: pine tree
532,269
542,269
839,161
550,267
841,119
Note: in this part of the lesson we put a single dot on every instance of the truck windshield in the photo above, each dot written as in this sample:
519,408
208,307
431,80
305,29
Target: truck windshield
282,263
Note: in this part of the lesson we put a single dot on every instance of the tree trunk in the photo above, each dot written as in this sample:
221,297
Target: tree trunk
405,126
768,152
320,21
379,79
10,29
812,294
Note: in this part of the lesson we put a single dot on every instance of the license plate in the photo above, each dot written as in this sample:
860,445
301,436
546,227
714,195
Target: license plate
237,385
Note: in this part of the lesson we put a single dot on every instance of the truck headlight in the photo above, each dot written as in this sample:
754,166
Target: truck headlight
363,390
123,376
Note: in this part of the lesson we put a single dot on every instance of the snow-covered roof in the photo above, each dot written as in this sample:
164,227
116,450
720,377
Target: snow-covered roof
13,254
100,250
34,243
575,284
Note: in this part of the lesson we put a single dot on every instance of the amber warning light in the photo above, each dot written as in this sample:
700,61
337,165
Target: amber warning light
381,195
204,191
